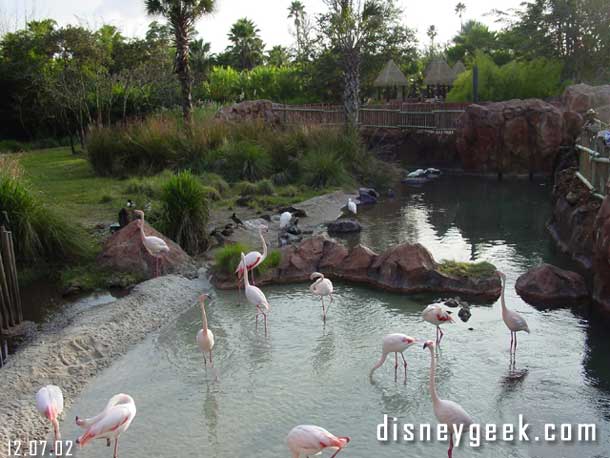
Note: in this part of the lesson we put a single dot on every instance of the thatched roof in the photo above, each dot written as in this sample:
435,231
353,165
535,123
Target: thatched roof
390,76
458,68
438,72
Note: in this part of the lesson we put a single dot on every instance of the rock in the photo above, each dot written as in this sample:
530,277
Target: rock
582,97
601,258
124,252
344,226
465,314
454,302
266,218
249,110
516,136
549,285
572,198
367,196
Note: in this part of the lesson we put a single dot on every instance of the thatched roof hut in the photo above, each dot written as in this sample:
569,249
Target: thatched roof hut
439,72
391,76
458,68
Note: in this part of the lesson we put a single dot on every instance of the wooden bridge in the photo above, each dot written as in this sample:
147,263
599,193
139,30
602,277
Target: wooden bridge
593,164
439,118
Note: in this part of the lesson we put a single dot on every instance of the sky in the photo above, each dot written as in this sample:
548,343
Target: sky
269,15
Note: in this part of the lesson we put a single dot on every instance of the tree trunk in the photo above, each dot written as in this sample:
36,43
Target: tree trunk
351,89
183,70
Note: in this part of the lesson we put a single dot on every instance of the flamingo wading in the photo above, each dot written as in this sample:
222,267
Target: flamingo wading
110,423
322,287
434,314
253,259
513,321
154,245
205,337
394,343
447,412
50,403
307,440
256,297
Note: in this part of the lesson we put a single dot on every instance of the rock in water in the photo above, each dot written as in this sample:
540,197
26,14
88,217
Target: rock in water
344,226
549,285
464,314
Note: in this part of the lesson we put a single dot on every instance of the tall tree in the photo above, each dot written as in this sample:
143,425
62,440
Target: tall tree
247,48
432,33
278,56
459,10
351,25
182,15
302,26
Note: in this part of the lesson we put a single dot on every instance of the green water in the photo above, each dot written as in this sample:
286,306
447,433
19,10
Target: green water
308,372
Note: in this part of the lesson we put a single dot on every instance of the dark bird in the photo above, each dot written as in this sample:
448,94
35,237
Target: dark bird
237,221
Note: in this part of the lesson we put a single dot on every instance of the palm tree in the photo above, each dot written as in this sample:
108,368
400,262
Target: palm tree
200,58
278,56
432,35
459,10
182,15
247,48
296,10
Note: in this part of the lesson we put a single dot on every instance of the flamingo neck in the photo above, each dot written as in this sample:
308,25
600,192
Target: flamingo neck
204,318
379,363
502,301
433,392
260,233
246,281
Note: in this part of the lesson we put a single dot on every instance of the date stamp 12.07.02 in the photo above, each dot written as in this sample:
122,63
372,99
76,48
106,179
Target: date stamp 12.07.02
19,448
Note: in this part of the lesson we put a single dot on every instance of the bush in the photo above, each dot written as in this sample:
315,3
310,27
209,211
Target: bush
185,212
246,161
272,261
39,233
322,169
212,193
289,191
466,269
245,188
215,181
265,188
11,146
228,257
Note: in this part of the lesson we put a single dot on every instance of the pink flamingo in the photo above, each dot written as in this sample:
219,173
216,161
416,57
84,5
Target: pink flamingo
447,412
253,258
110,423
311,440
256,297
435,315
513,321
154,245
205,337
50,403
321,287
394,343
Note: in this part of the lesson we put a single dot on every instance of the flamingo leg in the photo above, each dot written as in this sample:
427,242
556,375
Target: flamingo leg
116,448
437,336
323,308
211,362
405,364
336,453
450,451
511,341
205,361
515,342
395,366
108,442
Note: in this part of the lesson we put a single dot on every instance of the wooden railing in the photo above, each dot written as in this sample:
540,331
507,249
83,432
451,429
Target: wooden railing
11,313
436,117
594,167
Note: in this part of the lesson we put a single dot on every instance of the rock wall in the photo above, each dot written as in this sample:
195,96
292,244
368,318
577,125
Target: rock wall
601,258
249,110
406,268
517,136
581,97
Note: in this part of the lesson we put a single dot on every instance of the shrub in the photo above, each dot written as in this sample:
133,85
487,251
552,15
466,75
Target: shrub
466,269
106,199
185,212
271,261
215,181
228,257
265,188
245,188
11,146
322,169
212,193
247,161
289,191
39,233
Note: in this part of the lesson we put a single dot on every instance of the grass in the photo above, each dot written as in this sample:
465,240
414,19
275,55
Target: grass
228,257
466,269
89,277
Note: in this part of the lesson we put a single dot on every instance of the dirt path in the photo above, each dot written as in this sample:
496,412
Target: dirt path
72,350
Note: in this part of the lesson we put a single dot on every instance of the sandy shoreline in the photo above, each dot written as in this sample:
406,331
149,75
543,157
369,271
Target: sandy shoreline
74,349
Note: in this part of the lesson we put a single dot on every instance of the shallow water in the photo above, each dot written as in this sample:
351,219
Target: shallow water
308,372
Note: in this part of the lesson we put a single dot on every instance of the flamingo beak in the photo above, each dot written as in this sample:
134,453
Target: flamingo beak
425,345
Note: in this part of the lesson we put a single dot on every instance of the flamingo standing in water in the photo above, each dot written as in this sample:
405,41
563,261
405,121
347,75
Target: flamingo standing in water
50,403
322,287
311,440
205,337
110,423
513,321
434,314
351,206
256,297
253,259
154,245
394,343
447,412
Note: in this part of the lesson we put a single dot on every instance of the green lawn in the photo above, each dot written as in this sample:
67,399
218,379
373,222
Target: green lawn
67,181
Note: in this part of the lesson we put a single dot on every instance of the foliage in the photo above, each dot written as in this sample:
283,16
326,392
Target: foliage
185,212
247,48
265,188
245,188
247,161
227,258
322,168
40,233
466,269
539,78
272,261
90,277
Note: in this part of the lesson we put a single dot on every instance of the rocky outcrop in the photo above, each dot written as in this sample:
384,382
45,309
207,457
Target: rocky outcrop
573,217
344,226
581,97
548,285
517,136
124,252
601,258
249,110
406,268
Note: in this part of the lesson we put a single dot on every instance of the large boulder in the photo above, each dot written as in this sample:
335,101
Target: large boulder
549,285
344,226
582,97
601,258
249,110
124,252
517,136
